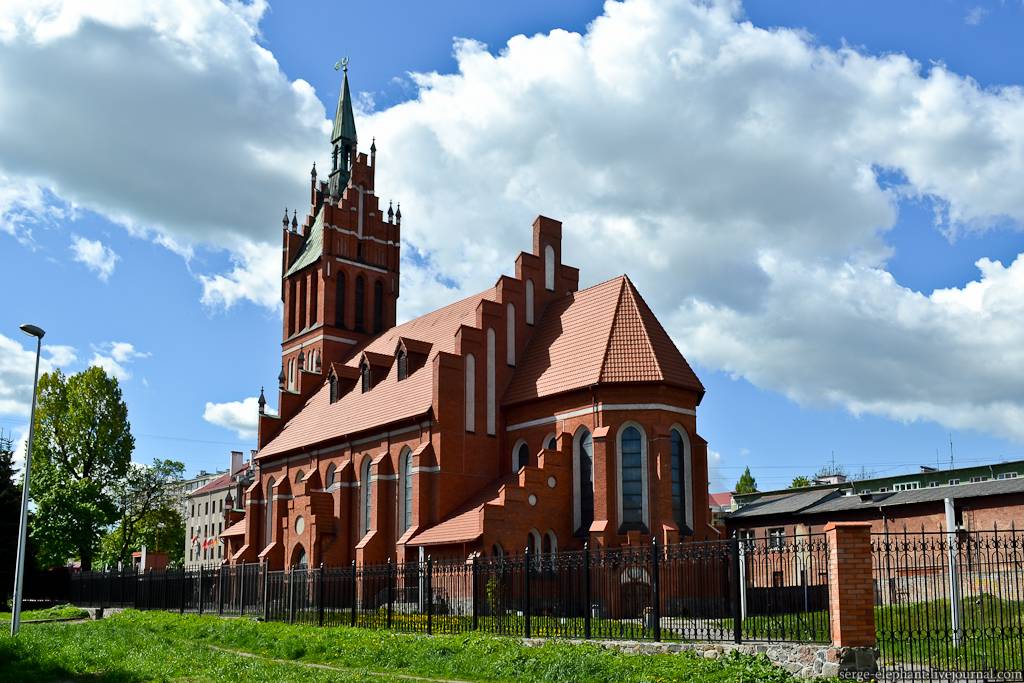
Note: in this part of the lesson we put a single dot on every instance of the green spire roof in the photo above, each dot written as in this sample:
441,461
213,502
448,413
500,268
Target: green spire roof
344,119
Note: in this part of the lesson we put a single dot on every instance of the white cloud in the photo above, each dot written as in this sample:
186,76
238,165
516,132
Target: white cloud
242,417
114,356
17,371
975,16
733,171
96,256
178,99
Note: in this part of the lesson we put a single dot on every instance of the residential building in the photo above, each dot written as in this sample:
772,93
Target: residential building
207,511
531,414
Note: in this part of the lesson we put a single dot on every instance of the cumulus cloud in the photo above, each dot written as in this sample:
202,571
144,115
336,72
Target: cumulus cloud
242,417
177,102
733,171
114,356
96,256
17,371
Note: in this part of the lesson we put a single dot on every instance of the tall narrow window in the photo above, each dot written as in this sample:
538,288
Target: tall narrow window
470,393
682,464
583,485
491,428
360,303
268,527
314,295
678,497
406,489
291,313
632,495
529,302
378,306
332,472
364,377
549,268
303,322
403,365
367,496
510,334
333,382
339,301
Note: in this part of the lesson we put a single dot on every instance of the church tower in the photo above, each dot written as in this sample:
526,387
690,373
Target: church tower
340,269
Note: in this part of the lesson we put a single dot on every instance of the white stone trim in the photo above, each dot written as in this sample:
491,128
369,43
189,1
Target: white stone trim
600,407
319,337
368,238
384,477
432,469
367,266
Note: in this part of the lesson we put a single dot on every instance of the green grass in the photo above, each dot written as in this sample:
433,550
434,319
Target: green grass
155,646
57,612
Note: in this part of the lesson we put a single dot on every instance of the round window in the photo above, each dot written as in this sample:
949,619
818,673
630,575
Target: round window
300,525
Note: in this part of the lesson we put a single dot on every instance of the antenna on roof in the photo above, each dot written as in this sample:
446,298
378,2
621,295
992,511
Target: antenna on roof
951,450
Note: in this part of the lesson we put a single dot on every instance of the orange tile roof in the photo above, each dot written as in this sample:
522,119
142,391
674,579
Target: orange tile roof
463,525
605,333
221,482
388,400
236,529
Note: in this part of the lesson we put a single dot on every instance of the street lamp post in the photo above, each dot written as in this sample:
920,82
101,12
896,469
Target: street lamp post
19,568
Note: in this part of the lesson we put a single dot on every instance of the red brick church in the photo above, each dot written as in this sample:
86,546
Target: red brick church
530,414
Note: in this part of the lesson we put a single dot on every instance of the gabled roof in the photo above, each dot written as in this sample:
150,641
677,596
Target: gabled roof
236,529
388,400
723,499
605,333
313,248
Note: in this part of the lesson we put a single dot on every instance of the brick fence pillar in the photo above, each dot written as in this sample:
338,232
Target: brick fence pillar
850,591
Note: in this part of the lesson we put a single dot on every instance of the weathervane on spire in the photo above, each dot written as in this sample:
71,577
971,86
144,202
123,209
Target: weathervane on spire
341,64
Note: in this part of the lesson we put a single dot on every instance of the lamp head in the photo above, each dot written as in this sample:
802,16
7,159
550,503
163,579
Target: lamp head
33,330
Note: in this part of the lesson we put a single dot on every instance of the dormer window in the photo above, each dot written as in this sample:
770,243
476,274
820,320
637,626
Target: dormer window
364,376
402,361
333,382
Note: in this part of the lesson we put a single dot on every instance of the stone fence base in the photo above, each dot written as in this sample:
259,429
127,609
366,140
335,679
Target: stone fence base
808,661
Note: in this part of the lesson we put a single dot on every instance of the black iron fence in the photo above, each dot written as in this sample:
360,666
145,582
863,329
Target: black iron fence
950,604
766,590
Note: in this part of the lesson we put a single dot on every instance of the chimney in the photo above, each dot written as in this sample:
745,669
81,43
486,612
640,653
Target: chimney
236,461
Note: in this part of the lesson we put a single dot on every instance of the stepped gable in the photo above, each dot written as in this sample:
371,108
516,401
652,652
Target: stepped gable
388,400
602,334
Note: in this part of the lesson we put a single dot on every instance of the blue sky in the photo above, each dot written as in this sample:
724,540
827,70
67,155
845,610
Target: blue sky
184,287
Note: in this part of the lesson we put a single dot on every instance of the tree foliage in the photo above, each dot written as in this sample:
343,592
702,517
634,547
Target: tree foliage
82,448
10,514
799,482
746,483
144,505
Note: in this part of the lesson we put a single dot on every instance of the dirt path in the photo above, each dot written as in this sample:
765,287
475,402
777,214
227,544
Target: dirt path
328,667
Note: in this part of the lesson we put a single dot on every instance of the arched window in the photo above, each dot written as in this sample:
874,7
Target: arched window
533,542
632,478
529,302
364,377
378,306
497,551
470,393
299,558
360,302
333,394
402,361
291,374
268,527
549,268
332,472
583,481
510,334
520,456
366,497
299,476
682,507
406,467
491,428
550,442
550,544
339,300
